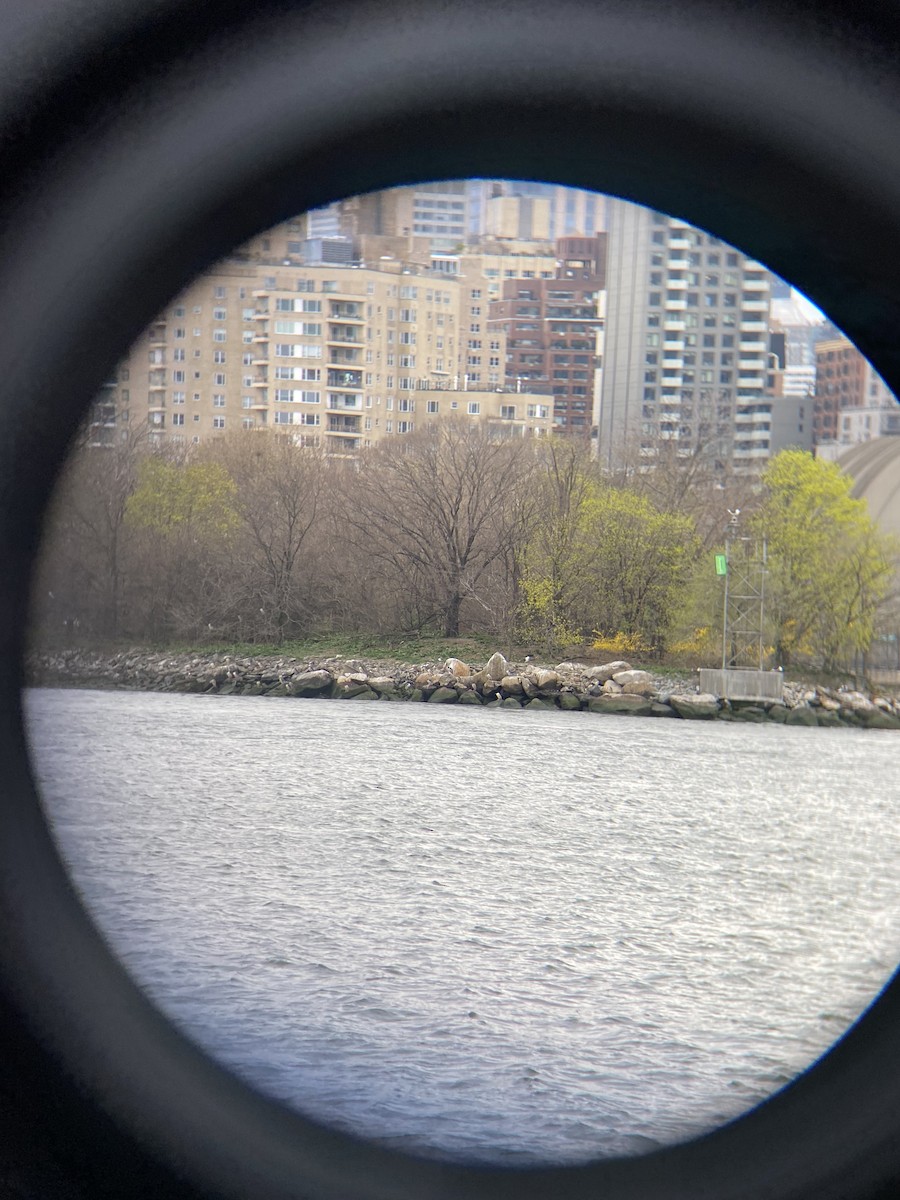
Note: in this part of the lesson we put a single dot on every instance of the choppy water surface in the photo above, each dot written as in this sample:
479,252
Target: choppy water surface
500,935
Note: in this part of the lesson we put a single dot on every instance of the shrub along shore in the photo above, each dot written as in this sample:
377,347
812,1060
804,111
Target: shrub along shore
614,687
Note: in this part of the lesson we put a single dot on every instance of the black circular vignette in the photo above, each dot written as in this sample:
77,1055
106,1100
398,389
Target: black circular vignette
139,144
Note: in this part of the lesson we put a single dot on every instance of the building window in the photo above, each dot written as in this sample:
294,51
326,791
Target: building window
177,418
218,422
219,379
218,356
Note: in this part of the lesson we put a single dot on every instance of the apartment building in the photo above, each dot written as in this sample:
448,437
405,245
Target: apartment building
686,347
551,327
514,217
339,357
849,395
569,211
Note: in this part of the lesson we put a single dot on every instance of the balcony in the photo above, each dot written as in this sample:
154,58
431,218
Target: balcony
342,403
349,357
343,311
337,336
343,428
351,380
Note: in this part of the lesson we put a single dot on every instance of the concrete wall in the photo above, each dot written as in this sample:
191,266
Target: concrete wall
736,684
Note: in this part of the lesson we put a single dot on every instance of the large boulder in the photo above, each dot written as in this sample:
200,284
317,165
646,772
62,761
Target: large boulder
569,701
754,713
828,716
311,683
802,714
511,684
879,719
496,666
607,670
547,681
457,667
631,676
383,685
611,688
638,687
444,695
700,706
636,706
858,704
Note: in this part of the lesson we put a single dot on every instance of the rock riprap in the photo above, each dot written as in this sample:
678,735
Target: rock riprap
614,687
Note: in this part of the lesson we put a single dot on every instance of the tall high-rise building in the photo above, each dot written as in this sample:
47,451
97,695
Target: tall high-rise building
437,211
850,395
686,345
573,212
550,327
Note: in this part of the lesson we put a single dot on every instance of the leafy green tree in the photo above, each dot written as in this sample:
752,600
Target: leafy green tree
172,496
643,559
182,521
603,561
829,567
555,569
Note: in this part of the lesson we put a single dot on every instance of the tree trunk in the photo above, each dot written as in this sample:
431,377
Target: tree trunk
451,616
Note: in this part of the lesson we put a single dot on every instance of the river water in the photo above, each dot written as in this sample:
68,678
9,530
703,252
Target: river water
493,935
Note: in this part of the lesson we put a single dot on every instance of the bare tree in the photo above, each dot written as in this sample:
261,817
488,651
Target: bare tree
280,489
441,512
83,570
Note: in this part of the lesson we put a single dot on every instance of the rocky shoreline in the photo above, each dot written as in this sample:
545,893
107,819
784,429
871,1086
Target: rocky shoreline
614,687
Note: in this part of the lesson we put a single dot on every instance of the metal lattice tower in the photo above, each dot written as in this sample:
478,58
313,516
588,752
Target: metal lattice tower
745,595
